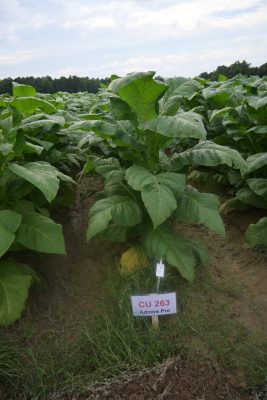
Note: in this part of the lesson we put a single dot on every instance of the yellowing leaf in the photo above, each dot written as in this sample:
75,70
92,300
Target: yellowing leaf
132,260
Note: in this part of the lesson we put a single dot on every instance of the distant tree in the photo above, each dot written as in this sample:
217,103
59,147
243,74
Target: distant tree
159,78
6,86
46,84
204,75
262,70
238,67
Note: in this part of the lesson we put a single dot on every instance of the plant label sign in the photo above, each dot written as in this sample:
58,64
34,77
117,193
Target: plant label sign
154,304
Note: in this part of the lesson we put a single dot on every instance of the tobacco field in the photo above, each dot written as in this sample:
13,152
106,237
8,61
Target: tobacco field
94,190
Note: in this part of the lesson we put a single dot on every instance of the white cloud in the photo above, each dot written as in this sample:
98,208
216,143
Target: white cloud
19,56
177,17
11,8
100,37
247,20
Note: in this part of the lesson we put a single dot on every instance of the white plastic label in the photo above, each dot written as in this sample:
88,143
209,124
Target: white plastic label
160,269
154,304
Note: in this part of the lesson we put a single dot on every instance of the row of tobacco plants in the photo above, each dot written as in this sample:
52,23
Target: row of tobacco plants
145,138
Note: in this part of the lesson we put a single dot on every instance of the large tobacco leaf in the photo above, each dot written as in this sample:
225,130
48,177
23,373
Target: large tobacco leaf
158,192
15,282
258,186
256,162
201,208
178,88
122,210
179,251
40,233
247,196
40,174
256,234
182,125
140,91
208,154
9,223
20,90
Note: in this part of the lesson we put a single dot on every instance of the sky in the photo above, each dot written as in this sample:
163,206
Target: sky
97,38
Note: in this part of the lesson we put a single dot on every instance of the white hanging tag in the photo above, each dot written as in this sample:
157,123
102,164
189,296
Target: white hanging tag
160,269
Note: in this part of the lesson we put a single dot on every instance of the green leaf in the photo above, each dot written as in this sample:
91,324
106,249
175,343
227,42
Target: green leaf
233,204
178,251
179,88
222,78
136,175
261,129
200,208
234,178
14,287
43,125
107,167
33,148
219,113
120,110
6,239
9,223
115,233
27,270
6,149
65,178
159,201
23,206
188,88
40,174
247,196
182,125
256,234
123,210
216,97
120,132
208,154
258,186
257,102
157,191
140,91
172,180
88,167
40,233
23,90
256,162
27,105
10,219
114,186
43,143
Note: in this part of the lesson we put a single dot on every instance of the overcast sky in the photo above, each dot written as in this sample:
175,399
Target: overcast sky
97,38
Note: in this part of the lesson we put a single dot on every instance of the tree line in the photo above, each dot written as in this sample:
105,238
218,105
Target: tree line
238,67
46,84
74,84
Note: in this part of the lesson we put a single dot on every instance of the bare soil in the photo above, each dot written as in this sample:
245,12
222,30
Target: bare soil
173,380
235,265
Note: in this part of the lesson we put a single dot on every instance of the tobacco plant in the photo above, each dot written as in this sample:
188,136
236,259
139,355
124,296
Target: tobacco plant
234,113
145,194
28,183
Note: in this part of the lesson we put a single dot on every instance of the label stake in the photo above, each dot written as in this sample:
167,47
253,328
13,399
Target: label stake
160,269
